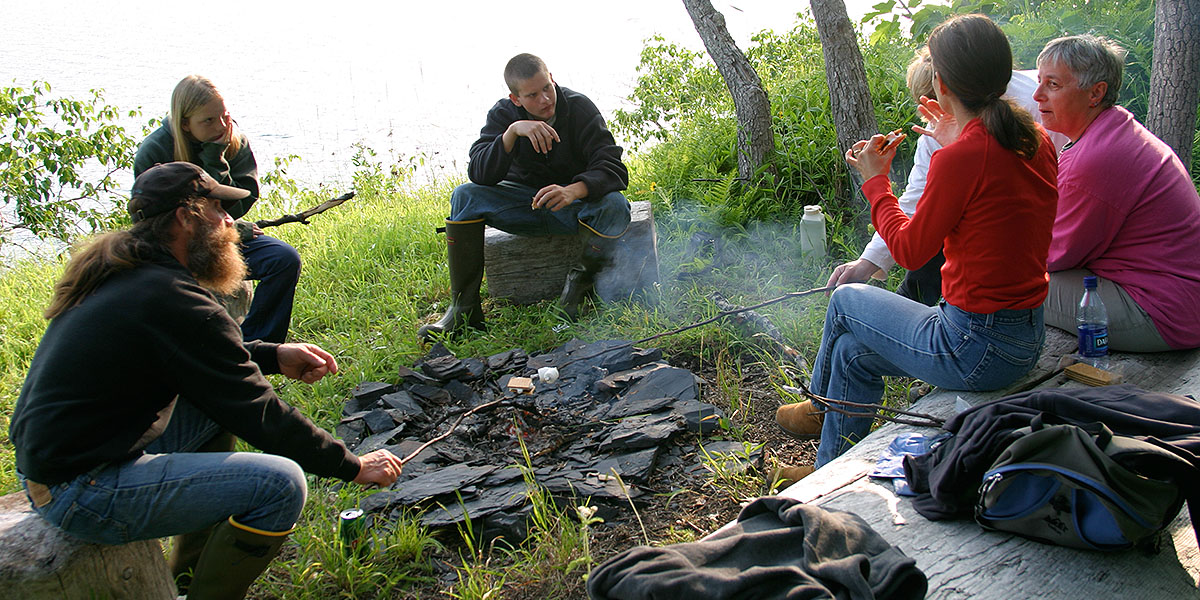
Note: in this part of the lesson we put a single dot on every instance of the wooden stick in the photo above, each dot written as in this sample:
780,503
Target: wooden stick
443,436
302,218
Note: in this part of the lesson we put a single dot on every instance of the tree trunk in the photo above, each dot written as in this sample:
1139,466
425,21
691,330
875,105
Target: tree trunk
849,94
756,139
1175,76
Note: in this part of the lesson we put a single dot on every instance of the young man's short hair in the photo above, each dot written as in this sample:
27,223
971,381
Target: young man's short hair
521,67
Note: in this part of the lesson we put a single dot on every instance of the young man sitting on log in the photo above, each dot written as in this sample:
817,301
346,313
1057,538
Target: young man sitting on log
544,164
124,426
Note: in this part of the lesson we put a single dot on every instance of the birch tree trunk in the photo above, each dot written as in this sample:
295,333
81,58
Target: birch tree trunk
756,139
1175,75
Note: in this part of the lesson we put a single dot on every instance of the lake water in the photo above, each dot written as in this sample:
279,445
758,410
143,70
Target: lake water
312,79
410,80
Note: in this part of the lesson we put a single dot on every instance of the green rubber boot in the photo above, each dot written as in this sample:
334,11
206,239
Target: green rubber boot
186,548
232,559
464,253
581,280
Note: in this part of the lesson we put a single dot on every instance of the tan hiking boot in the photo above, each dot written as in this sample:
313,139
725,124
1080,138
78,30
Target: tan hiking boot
801,420
784,476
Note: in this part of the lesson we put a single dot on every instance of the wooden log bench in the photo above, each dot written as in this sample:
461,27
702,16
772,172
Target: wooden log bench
39,561
525,270
962,560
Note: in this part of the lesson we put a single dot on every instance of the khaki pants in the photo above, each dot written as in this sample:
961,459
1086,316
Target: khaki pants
1129,327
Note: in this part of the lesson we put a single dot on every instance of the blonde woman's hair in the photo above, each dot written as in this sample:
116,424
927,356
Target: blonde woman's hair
920,76
190,94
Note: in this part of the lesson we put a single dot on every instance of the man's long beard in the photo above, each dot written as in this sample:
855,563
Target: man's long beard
214,258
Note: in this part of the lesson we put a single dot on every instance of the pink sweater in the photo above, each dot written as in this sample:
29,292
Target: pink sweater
1128,211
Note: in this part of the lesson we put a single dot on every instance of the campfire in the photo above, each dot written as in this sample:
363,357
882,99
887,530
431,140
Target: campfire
599,431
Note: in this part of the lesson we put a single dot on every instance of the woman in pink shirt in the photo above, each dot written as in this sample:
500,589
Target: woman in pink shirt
1128,211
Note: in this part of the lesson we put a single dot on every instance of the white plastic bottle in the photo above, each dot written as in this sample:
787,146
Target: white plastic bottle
812,232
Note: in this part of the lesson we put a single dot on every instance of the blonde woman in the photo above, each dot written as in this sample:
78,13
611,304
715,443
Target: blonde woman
200,130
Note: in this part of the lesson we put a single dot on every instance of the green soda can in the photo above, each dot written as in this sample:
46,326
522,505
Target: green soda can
352,527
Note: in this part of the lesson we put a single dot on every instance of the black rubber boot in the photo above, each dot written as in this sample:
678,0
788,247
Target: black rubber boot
464,253
581,280
232,559
186,548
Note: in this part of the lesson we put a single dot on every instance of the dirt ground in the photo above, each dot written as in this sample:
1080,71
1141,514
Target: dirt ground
684,505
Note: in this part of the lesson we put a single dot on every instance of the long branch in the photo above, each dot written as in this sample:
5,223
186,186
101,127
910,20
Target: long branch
449,431
302,217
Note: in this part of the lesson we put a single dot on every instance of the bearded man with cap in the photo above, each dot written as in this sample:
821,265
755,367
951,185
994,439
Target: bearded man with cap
124,426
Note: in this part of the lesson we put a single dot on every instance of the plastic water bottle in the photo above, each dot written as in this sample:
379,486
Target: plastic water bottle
1092,322
812,232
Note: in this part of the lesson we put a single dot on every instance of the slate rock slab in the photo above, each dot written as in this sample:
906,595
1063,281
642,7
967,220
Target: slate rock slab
351,431
622,407
462,394
429,485
642,432
633,466
664,382
404,402
379,420
430,393
701,417
730,456
365,394
596,486
486,501
507,361
412,377
379,440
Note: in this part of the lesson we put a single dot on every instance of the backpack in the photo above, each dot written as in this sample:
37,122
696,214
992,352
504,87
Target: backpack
1081,487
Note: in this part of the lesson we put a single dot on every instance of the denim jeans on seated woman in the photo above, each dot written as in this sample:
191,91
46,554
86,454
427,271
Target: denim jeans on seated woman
171,490
871,332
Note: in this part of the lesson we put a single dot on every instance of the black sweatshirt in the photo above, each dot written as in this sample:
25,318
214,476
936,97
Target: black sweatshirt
105,368
779,548
586,151
240,172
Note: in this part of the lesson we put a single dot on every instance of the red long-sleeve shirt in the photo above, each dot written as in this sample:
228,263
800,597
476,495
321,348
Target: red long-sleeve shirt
992,210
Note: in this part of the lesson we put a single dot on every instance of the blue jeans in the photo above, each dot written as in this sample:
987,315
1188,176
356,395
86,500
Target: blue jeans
870,332
505,206
170,490
276,267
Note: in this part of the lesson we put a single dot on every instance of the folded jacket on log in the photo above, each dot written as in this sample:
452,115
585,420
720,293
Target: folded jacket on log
778,548
947,479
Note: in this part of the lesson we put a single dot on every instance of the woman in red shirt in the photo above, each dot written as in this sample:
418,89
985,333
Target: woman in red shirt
990,200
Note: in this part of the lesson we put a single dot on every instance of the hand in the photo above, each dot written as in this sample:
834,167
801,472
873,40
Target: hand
855,271
870,163
226,137
557,197
254,228
380,467
943,126
540,134
305,362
